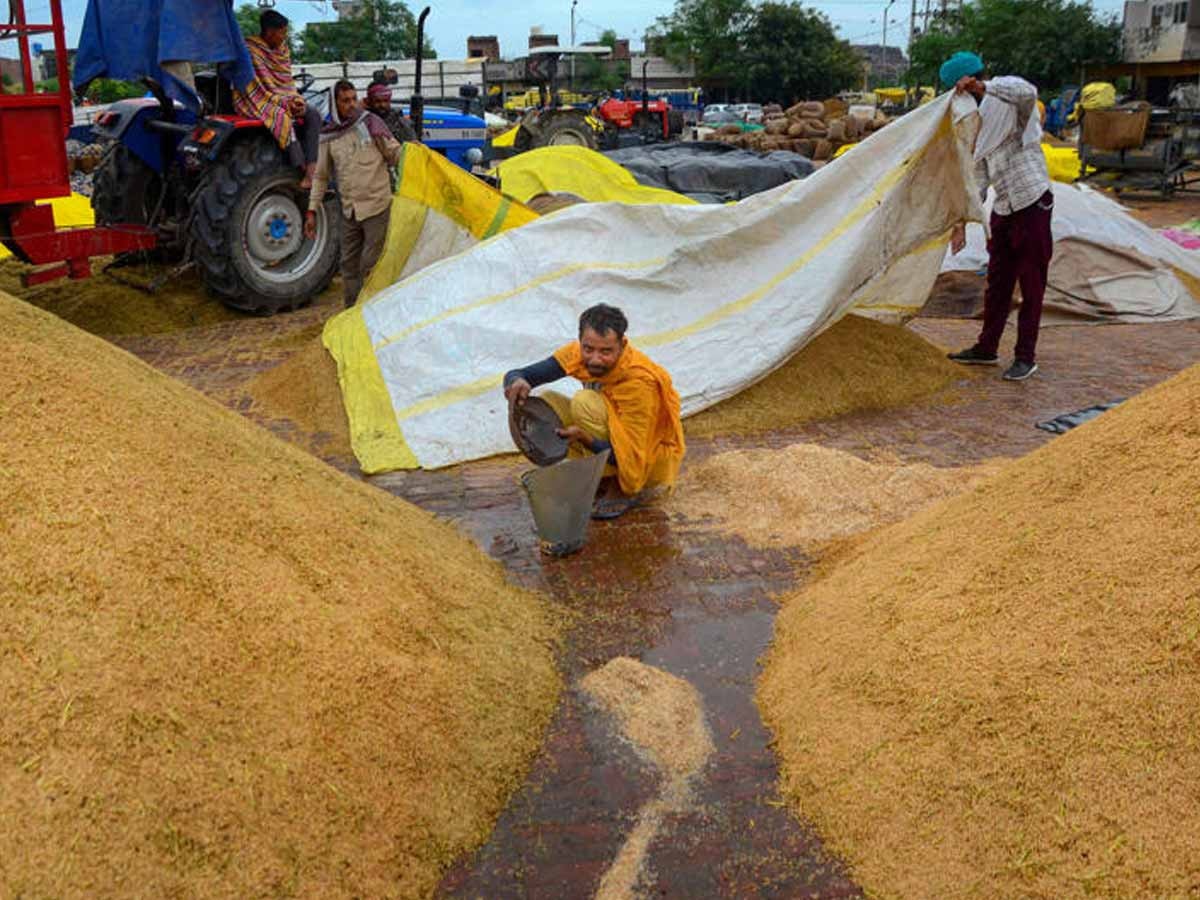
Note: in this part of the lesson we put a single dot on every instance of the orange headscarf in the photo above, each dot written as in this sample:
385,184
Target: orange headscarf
644,427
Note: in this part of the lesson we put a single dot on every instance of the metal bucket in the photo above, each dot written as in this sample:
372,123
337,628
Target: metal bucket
561,497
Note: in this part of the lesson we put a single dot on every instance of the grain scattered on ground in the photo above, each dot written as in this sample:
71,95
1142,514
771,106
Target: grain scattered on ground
998,696
227,669
102,305
805,495
857,364
662,717
304,389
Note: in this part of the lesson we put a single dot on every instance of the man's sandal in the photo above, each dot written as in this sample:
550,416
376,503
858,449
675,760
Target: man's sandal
613,507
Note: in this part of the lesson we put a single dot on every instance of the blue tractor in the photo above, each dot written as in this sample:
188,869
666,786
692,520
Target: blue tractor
217,190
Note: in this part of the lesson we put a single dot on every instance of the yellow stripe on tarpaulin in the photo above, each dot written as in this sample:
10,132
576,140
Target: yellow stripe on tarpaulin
473,389
406,220
428,185
375,432
74,211
429,178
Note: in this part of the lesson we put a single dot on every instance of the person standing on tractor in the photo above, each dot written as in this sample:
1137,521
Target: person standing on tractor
379,101
272,95
358,149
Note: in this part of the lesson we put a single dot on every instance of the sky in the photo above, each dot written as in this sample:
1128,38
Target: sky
858,21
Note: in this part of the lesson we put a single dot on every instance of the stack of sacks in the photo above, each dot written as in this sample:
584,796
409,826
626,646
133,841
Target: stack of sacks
811,128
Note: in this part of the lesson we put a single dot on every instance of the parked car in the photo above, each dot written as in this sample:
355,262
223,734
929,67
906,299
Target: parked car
718,115
748,112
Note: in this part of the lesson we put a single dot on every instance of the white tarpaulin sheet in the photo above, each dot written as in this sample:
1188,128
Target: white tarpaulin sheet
718,295
1107,265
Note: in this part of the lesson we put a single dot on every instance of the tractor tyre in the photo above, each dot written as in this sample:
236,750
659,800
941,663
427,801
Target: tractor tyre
568,131
247,232
125,191
675,122
643,122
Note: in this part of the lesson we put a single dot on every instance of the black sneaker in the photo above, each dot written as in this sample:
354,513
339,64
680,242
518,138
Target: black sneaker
1020,370
973,356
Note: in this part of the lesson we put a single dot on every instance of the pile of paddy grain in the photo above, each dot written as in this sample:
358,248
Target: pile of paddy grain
304,389
805,495
857,364
998,696
227,669
102,305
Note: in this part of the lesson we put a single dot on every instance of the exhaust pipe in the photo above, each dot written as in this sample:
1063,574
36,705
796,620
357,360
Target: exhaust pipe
416,109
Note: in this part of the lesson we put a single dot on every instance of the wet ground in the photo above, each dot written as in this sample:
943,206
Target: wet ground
678,596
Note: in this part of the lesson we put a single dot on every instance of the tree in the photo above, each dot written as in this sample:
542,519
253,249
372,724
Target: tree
790,53
605,75
776,50
382,29
247,19
106,90
1044,41
707,34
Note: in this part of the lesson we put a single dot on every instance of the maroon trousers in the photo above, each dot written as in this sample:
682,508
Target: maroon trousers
1019,251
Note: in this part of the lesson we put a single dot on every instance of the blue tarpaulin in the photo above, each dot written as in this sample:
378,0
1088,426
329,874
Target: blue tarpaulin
130,39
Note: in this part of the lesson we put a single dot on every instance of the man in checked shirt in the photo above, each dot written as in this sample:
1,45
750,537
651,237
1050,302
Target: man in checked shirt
1008,158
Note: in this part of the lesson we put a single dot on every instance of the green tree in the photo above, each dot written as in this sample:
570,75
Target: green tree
247,19
106,90
790,53
604,75
706,33
1044,41
382,30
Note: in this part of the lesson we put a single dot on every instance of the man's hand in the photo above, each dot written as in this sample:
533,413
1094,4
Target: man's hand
958,238
969,84
297,106
310,225
517,391
576,435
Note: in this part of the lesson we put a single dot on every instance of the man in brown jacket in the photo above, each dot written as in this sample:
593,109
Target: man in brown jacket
358,148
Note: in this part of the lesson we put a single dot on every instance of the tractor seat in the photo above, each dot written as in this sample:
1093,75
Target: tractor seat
216,94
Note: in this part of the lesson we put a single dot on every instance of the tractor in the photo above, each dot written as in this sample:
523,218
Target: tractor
608,124
210,189
217,190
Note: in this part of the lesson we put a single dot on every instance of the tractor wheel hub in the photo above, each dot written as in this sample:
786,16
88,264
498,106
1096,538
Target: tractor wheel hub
275,228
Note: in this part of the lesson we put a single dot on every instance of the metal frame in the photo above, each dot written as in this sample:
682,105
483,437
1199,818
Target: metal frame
33,167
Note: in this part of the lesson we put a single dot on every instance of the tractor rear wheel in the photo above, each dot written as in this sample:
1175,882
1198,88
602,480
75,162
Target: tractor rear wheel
568,131
125,191
675,122
247,232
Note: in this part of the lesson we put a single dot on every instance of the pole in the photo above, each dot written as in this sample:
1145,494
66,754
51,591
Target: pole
912,36
884,61
574,3
416,109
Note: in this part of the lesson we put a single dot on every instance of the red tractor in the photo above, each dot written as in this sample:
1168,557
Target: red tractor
644,116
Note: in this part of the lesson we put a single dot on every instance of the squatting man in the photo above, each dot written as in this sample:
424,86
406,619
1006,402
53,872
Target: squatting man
627,405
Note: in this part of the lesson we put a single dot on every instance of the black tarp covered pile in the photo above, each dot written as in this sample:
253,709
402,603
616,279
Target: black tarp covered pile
711,172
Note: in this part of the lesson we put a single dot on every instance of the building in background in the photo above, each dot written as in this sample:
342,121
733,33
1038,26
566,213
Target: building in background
883,66
347,9
1160,49
485,46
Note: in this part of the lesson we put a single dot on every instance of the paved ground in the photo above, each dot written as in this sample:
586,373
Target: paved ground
699,605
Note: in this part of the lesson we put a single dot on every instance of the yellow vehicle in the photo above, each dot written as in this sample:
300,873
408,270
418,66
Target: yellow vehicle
532,100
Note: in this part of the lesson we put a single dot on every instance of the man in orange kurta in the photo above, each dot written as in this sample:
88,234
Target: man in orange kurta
627,405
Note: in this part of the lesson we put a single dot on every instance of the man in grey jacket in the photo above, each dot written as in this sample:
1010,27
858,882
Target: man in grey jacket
359,149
